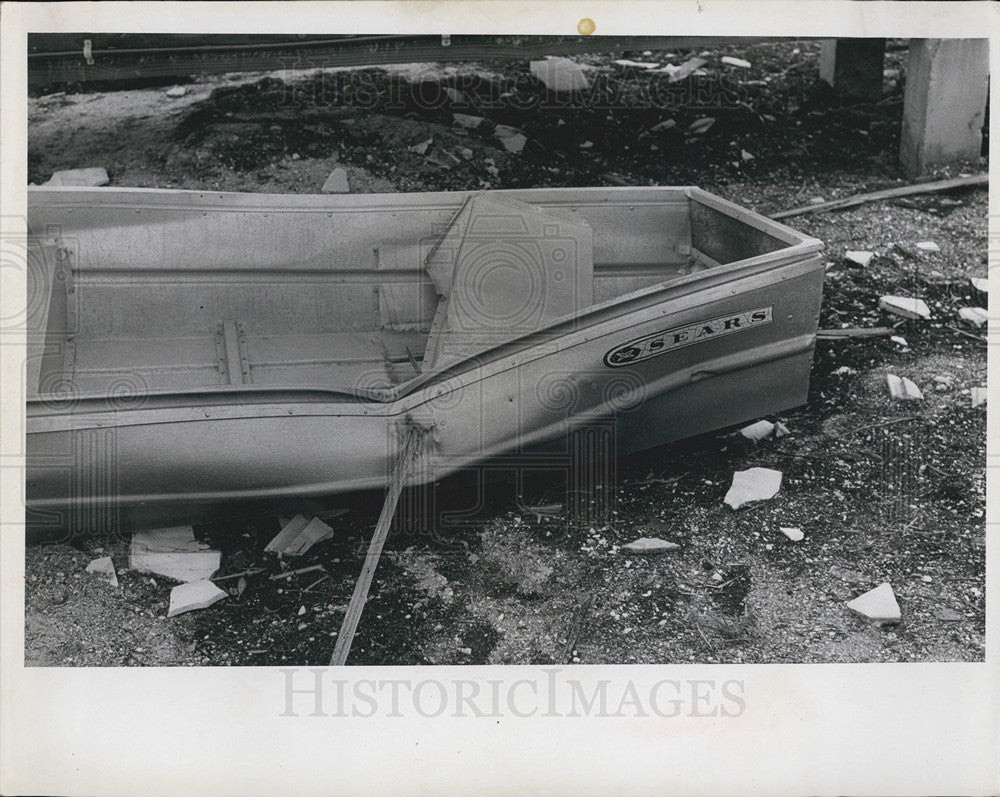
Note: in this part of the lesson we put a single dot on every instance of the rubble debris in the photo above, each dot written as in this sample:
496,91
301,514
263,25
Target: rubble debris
974,315
560,74
421,148
980,284
194,595
844,370
699,126
946,615
174,553
650,545
511,138
780,430
977,395
758,430
545,510
861,257
853,332
300,571
794,534
728,59
467,120
899,341
637,64
586,145
454,95
928,246
902,388
298,536
878,604
104,567
905,306
177,91
746,156
754,484
688,68
337,182
90,177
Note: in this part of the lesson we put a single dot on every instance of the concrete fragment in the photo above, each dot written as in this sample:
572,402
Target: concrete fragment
728,59
758,430
421,148
467,120
173,553
454,94
878,604
946,615
177,91
980,284
699,126
298,536
861,257
902,388
194,595
104,567
337,182
650,545
928,246
754,484
93,176
780,430
899,341
844,370
978,396
905,306
560,74
637,64
794,534
512,139
974,315
688,68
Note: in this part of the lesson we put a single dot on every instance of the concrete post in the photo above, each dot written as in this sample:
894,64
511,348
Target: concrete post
945,102
853,67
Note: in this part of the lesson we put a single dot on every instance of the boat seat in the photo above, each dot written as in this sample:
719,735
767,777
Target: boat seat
505,268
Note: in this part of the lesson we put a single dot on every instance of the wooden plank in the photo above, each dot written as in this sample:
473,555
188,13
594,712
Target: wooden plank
402,469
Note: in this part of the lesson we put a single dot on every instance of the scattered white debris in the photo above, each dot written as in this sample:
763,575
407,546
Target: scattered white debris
689,67
877,604
758,430
980,284
637,64
728,59
974,315
666,124
905,306
861,257
177,91
899,341
511,138
194,595
650,545
699,126
337,182
844,370
978,396
467,120
560,74
746,156
902,388
780,430
755,484
90,177
173,553
817,200
794,534
545,510
299,536
104,567
465,152
421,148
926,579
586,145
928,246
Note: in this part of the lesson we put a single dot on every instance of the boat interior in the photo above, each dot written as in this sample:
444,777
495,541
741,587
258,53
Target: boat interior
139,293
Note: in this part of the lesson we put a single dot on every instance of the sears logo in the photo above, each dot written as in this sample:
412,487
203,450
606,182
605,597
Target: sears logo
678,337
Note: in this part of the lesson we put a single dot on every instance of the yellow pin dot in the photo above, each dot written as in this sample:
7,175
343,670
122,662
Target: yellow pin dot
586,26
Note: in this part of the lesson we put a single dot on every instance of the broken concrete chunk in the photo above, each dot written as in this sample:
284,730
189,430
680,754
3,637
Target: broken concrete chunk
905,306
758,430
699,126
545,510
980,284
106,568
946,615
974,315
194,595
899,341
637,64
862,258
728,59
560,74
298,536
878,604
902,388
177,91
650,545
928,246
755,484
511,138
93,176
337,182
421,148
173,553
978,396
467,120
780,430
688,68
794,534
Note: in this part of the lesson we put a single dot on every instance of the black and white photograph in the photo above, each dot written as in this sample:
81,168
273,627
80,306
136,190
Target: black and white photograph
393,349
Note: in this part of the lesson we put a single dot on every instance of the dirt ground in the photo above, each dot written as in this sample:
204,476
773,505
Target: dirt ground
885,491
